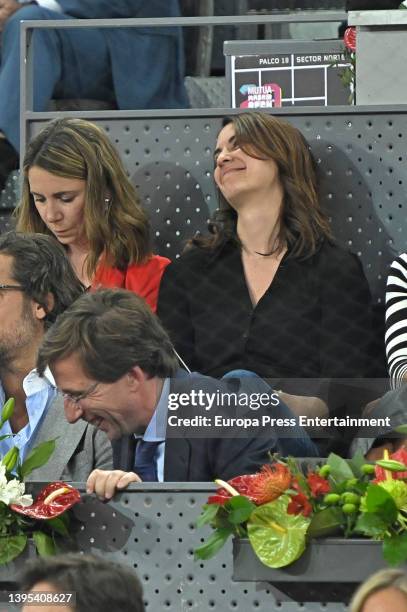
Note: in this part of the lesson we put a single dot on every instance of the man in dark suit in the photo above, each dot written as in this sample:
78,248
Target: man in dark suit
136,67
117,369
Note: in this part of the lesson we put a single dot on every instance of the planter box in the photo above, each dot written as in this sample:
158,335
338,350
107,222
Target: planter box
324,560
328,570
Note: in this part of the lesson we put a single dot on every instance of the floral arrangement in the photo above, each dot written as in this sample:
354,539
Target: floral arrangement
20,517
281,508
348,75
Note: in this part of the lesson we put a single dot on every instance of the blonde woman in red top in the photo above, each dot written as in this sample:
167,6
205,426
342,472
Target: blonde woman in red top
75,188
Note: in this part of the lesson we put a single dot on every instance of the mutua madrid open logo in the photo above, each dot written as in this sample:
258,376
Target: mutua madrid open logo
261,96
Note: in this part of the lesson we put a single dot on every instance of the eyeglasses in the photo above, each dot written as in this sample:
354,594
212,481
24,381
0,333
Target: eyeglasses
81,396
16,287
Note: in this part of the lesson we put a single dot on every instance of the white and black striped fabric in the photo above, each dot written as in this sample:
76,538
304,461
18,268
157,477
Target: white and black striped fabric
396,320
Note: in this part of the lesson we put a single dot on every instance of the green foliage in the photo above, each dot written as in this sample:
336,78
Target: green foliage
11,458
15,526
349,504
227,520
7,411
381,503
213,544
60,524
326,522
11,546
395,549
38,457
348,74
44,544
357,463
5,437
341,469
240,509
209,511
332,499
371,525
391,465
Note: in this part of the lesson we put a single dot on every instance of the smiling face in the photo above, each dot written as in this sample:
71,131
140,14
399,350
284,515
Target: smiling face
60,202
116,408
240,176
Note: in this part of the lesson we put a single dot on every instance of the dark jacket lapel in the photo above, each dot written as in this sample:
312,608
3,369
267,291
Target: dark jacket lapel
177,460
124,453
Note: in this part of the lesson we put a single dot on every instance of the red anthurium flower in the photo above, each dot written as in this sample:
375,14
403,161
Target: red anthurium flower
260,488
317,484
52,501
349,38
219,499
400,455
381,473
240,484
299,504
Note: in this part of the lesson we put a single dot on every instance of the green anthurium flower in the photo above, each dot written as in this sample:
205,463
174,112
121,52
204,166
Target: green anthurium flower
277,538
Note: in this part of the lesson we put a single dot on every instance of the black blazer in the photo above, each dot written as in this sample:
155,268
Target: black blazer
198,460
204,459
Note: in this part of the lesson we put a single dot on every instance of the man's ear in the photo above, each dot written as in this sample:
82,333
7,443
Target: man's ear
40,312
136,376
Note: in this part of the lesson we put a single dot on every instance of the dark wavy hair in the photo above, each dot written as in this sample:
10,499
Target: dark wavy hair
303,224
98,584
40,266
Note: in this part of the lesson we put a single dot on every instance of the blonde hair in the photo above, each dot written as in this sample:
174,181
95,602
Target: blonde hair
385,579
115,224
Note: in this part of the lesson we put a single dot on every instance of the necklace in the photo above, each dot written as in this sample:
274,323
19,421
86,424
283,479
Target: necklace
264,254
270,254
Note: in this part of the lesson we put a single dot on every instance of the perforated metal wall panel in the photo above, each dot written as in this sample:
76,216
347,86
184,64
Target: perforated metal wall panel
360,152
152,528
9,195
206,92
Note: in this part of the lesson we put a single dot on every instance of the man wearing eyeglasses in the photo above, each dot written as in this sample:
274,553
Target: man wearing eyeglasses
117,370
36,284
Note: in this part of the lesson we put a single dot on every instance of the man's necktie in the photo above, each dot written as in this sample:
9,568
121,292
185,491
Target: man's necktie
145,465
